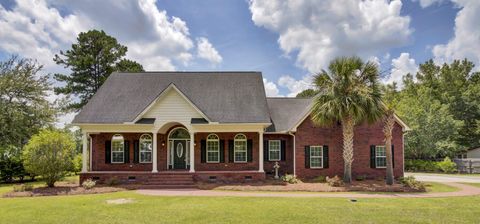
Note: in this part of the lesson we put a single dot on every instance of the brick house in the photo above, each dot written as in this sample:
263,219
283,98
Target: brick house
160,128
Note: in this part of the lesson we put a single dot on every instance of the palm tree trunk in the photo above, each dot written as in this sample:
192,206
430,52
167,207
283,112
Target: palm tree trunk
387,130
347,129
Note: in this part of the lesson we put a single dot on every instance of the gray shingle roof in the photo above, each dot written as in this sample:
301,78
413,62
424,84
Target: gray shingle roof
225,97
286,112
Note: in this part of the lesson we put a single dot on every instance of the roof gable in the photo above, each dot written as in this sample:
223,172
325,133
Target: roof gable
224,97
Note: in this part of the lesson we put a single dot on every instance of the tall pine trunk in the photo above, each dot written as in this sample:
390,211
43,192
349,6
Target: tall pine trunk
347,129
387,130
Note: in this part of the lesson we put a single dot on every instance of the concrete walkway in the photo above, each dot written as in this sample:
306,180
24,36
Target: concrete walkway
444,178
465,190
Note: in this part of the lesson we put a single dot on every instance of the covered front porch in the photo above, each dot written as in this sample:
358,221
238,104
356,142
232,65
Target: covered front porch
135,153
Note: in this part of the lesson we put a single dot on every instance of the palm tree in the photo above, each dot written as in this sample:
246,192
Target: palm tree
390,102
349,94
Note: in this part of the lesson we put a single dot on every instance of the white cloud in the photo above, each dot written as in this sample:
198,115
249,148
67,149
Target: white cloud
401,66
271,88
321,30
295,86
206,51
466,40
427,3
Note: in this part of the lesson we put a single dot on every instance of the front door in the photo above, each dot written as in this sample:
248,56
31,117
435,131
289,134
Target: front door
179,154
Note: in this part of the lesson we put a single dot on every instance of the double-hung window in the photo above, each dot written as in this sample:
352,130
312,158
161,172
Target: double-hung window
213,149
274,151
316,156
146,148
380,156
240,148
118,149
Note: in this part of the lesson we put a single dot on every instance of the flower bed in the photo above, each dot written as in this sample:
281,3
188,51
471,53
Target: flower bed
63,189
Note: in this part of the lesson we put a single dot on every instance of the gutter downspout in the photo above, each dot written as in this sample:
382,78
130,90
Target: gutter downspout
294,153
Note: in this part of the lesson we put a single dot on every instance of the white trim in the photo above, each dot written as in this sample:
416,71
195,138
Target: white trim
91,151
140,148
235,148
260,152
279,150
161,95
294,154
321,151
111,149
385,148
84,152
171,154
155,152
217,140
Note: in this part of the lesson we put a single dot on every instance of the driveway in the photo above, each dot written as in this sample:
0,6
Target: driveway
444,178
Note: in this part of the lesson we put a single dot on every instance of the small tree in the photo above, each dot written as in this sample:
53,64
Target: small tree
49,154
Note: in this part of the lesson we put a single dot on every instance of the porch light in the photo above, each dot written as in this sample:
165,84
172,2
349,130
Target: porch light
163,143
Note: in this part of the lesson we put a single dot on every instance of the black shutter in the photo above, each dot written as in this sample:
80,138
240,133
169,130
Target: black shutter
307,156
126,151
325,156
136,151
265,151
230,151
283,153
249,150
372,157
108,152
203,150
393,157
222,151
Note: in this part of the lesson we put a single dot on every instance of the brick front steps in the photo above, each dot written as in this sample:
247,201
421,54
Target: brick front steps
171,179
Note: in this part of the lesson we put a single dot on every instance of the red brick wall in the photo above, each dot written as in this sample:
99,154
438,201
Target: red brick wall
365,135
285,166
226,166
98,153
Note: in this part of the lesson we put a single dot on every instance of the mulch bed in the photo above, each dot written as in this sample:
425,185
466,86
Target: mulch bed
276,185
63,189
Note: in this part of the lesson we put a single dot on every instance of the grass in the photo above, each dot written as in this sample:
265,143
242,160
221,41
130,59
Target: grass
473,184
445,174
152,209
155,209
434,187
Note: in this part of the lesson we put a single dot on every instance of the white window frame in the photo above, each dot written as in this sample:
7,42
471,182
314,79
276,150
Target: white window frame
320,147
270,150
212,139
113,151
378,156
142,150
240,138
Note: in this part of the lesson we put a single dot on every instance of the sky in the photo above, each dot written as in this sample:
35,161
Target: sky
288,41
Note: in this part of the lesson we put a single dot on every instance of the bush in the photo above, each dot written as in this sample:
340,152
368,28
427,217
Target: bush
77,163
335,181
411,182
360,178
447,166
11,165
421,165
49,154
320,179
291,179
112,181
88,184
22,187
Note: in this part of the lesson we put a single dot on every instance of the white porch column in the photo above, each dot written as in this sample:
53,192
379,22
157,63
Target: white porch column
154,160
192,152
84,152
260,151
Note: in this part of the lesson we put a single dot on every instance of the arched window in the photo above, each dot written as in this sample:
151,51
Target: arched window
240,148
118,149
213,149
146,144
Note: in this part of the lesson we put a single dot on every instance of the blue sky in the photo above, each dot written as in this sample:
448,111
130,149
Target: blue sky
286,40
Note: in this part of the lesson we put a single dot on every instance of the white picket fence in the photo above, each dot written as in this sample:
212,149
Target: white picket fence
468,165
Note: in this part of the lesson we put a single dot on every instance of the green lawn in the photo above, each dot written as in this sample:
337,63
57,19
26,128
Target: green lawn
473,184
154,209
439,187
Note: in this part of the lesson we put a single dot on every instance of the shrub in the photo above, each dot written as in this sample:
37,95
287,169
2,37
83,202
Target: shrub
291,179
49,154
411,182
112,181
22,187
320,179
360,178
88,184
77,163
421,165
335,181
447,166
